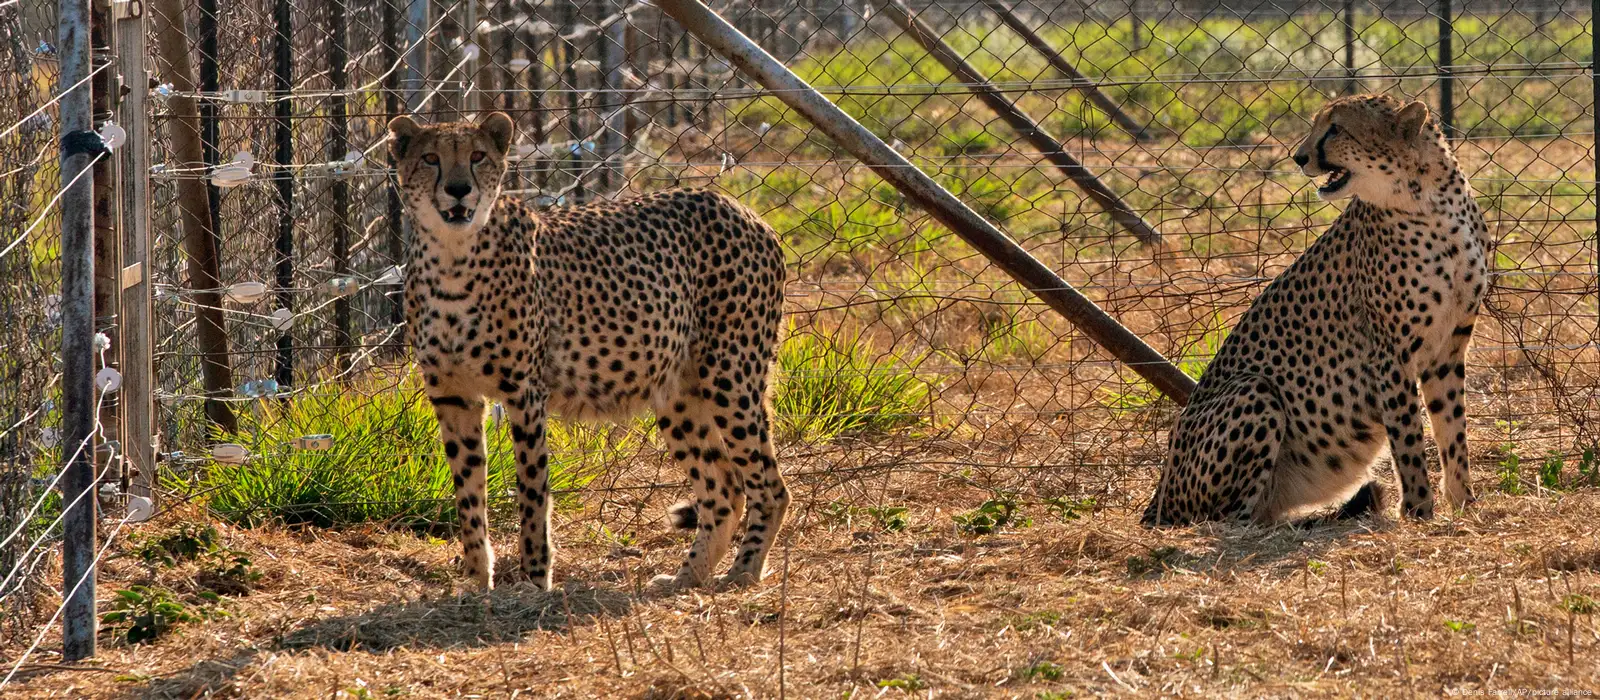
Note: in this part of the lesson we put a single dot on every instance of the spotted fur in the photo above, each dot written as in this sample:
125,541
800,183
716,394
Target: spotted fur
670,302
1322,372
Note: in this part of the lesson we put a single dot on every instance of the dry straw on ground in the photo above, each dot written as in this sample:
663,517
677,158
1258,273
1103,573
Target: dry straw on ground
1500,598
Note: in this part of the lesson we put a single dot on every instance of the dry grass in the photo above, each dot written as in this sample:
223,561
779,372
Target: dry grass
1494,599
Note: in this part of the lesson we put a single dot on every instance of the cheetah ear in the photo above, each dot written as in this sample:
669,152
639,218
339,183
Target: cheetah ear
1413,118
401,130
500,129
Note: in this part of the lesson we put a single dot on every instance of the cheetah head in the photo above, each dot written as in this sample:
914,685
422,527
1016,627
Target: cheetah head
1375,148
450,173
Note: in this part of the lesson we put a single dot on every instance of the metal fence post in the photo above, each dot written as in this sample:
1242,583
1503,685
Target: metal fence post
394,226
283,131
78,412
418,15
611,101
1047,144
745,56
1091,92
1447,96
1350,87
339,187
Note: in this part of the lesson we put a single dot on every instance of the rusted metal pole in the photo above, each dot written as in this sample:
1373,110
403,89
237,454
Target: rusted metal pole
1047,144
745,56
79,153
1091,92
199,244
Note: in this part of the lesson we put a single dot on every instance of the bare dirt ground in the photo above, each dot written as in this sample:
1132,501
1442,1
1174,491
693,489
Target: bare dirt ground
1500,598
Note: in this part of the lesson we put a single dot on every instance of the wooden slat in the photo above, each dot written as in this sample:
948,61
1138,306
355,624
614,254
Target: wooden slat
138,332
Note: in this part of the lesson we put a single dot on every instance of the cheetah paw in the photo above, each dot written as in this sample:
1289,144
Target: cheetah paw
668,583
1460,497
737,579
1420,511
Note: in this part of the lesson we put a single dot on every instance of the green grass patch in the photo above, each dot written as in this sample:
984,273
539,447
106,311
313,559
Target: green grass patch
833,386
386,463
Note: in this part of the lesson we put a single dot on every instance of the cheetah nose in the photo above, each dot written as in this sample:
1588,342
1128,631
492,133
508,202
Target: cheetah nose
458,189
1301,159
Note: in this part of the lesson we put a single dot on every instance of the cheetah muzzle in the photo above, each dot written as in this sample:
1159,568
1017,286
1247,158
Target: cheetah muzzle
1322,374
669,302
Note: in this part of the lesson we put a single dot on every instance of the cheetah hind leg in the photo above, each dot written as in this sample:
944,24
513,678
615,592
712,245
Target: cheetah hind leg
1223,453
1368,500
697,444
751,446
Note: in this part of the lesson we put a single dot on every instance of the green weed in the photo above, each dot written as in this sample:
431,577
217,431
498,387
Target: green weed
1589,467
906,682
1041,671
990,517
1509,469
1070,508
142,613
1550,471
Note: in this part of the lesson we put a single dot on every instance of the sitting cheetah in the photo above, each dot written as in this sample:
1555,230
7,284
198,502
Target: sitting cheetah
671,302
1325,365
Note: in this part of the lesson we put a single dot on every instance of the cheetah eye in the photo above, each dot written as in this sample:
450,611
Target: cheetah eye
478,156
1333,129
431,159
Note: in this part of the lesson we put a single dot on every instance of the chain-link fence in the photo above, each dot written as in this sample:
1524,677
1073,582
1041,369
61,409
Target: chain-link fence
1167,197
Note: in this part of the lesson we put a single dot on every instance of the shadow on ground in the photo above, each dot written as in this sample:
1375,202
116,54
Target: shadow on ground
468,620
462,621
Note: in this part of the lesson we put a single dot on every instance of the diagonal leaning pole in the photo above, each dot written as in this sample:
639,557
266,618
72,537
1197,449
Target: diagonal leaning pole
1047,144
746,56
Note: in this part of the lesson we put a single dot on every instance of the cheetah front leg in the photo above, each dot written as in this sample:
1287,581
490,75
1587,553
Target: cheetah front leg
1403,421
528,432
461,430
1444,386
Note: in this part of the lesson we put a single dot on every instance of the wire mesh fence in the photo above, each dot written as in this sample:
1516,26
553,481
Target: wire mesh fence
907,353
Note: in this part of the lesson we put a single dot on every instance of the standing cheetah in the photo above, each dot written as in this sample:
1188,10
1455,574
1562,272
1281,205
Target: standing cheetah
671,302
1325,365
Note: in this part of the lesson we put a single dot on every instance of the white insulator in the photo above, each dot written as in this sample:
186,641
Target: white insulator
108,380
230,176
245,292
282,320
140,509
394,275
50,437
112,135
230,453
341,286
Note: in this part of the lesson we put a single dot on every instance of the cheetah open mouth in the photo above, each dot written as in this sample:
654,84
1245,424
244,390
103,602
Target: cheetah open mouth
458,214
1337,179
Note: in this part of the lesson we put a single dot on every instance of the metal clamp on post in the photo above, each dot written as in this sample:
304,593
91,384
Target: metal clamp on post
83,142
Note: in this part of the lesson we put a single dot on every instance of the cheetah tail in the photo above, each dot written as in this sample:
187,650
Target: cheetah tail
683,516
